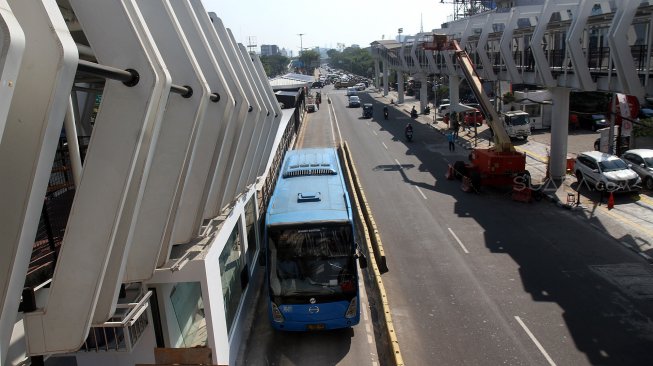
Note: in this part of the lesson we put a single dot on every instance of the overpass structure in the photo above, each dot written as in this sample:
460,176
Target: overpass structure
564,46
151,133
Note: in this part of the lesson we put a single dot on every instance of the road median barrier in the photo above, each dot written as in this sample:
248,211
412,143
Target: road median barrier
389,349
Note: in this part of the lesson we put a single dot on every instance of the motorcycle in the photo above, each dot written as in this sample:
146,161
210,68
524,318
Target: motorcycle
427,110
385,114
409,135
413,114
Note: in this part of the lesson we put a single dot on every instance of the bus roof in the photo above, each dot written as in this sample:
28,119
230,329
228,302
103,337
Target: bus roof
310,188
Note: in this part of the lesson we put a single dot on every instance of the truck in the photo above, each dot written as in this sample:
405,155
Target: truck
344,83
500,165
517,124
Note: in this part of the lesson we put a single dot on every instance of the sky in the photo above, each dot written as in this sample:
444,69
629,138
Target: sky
326,23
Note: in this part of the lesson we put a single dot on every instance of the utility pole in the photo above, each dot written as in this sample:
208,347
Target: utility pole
251,45
301,44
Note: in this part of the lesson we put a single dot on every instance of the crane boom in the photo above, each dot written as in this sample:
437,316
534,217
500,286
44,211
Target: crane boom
501,138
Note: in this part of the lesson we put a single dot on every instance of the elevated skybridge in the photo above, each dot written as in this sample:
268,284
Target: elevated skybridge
582,45
559,45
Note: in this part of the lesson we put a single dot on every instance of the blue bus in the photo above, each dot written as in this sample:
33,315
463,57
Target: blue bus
310,248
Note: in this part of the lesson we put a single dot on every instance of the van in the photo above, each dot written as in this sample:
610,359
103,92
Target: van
444,109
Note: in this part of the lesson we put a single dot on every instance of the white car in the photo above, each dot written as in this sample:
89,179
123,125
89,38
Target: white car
641,161
360,86
444,109
605,172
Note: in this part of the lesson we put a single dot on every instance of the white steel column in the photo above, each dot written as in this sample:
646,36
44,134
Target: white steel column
234,183
228,146
559,133
206,151
376,71
386,73
115,163
400,87
276,109
423,92
32,107
12,46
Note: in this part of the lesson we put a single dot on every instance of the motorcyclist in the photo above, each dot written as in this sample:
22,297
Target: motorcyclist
385,112
413,112
408,131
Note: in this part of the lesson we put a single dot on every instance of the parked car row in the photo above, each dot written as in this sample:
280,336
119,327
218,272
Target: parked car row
606,172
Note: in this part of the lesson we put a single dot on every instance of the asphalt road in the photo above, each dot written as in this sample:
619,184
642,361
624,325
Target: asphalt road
474,279
483,280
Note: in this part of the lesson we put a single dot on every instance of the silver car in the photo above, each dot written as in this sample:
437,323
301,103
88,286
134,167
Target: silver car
641,161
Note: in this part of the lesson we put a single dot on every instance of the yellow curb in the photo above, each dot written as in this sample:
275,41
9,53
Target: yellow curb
385,306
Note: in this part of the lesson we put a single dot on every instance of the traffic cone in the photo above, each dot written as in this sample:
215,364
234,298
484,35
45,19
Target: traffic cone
611,201
450,173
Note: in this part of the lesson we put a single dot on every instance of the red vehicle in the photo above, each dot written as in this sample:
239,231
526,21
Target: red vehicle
473,118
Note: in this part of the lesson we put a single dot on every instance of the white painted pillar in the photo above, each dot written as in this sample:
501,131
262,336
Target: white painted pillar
386,73
423,93
400,87
559,133
377,70
454,83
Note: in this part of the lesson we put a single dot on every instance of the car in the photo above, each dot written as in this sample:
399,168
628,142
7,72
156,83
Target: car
351,91
605,172
354,101
593,121
368,110
473,118
317,84
444,109
360,86
645,113
641,161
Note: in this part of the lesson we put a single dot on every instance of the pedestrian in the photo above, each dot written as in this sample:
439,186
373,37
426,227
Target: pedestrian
451,137
454,123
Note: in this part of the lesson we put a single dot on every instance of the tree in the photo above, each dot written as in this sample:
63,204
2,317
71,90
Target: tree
274,65
311,59
354,60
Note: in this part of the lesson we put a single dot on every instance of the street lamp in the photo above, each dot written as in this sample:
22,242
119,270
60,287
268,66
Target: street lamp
301,44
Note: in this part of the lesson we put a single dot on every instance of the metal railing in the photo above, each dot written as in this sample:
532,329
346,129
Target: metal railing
123,331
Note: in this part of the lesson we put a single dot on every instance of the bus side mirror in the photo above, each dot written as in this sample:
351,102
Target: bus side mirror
362,262
362,259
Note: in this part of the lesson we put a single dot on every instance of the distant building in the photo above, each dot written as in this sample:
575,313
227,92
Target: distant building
284,52
269,49
355,46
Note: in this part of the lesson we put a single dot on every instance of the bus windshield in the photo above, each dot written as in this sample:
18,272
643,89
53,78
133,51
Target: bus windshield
311,261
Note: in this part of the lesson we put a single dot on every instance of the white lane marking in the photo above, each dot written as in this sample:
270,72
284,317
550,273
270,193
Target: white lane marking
458,240
537,343
365,313
398,164
335,118
374,132
384,145
332,114
420,192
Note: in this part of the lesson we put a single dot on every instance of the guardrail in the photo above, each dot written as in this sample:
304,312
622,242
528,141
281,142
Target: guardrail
121,333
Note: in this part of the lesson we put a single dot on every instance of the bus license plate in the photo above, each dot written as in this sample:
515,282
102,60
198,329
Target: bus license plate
315,327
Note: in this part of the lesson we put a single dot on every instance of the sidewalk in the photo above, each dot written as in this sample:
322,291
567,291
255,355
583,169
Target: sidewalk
564,194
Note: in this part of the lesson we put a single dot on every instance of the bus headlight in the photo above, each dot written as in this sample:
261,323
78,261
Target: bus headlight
276,313
352,309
